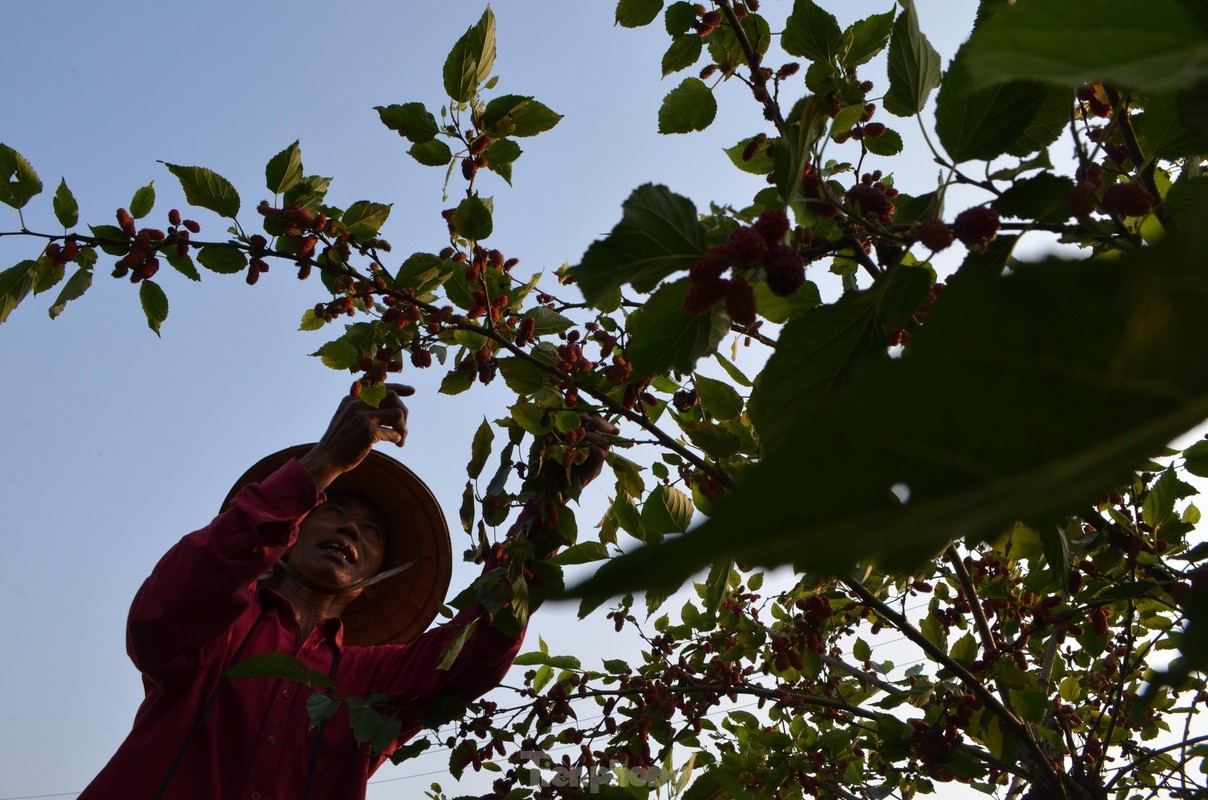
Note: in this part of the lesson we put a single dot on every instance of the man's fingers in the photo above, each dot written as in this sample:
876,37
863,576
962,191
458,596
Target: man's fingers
400,389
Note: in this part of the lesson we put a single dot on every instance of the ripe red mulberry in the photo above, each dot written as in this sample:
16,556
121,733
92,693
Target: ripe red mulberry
703,295
746,246
976,227
1082,199
772,225
935,235
740,302
1127,200
785,270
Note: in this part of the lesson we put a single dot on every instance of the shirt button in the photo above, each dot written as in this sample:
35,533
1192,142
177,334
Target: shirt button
255,795
285,692
272,740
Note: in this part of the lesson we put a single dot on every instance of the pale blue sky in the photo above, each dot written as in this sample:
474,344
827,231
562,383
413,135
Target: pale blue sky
116,443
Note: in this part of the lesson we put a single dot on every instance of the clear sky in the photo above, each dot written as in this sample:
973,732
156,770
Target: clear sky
116,443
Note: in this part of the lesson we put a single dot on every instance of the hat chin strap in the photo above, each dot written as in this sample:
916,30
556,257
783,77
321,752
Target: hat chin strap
289,570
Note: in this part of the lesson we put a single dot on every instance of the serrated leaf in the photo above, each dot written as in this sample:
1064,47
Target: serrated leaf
412,121
914,66
67,210
666,510
1041,197
663,336
719,398
1054,334
984,124
182,264
208,189
18,181
471,59
760,162
143,201
812,32
887,144
685,50
154,303
865,38
284,170
223,259
518,116
473,219
453,649
659,233
339,354
431,153
308,192
1082,41
582,553
364,219
636,13
16,283
628,474
76,285
480,449
278,665
320,707
688,107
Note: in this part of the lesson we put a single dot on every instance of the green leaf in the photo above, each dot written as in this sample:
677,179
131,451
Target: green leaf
155,304
364,219
453,649
339,354
223,259
456,382
423,272
207,189
628,475
480,449
501,154
684,51
111,232
666,510
182,264
865,38
725,46
887,144
522,376
914,66
1196,458
821,349
582,553
861,650
760,162
471,59
981,125
372,727
67,210
775,308
412,121
1051,120
1041,197
518,115
473,219
636,13
719,398
320,707
717,442
812,33
547,321
15,285
143,201
308,193
76,285
1056,553
278,665
1082,41
18,181
659,233
663,336
1055,335
284,170
688,107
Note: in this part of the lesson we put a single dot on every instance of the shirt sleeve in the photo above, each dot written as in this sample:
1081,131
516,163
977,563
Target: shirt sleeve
207,580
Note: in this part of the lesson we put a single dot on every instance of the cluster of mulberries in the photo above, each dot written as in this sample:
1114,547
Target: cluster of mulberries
749,248
871,198
62,254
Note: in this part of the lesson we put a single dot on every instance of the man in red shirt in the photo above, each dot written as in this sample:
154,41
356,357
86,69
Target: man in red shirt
336,555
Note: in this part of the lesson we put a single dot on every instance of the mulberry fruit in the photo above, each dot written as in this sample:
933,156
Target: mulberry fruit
785,269
740,302
1127,200
976,227
772,225
935,235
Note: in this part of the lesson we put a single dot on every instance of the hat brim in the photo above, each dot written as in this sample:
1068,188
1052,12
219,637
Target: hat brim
399,608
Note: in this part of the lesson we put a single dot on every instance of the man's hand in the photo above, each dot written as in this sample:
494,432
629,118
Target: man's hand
353,431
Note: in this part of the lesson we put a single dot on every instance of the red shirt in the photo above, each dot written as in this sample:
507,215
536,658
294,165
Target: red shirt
255,743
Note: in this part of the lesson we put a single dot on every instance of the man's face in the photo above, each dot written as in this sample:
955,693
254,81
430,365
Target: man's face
339,543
